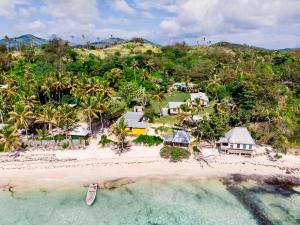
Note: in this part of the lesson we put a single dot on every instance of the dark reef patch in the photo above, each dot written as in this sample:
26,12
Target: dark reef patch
246,199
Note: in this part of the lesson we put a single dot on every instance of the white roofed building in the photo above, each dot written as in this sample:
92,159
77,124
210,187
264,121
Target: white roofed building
201,96
237,141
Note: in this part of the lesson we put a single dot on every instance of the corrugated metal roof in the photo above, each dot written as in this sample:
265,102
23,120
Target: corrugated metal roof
178,137
174,105
238,135
134,120
79,131
200,95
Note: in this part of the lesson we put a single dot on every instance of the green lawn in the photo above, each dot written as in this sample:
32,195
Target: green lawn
169,120
175,96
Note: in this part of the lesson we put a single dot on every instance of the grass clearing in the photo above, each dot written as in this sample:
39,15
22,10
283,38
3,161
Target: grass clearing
175,96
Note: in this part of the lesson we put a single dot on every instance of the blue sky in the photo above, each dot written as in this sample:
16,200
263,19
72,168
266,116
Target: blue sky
266,23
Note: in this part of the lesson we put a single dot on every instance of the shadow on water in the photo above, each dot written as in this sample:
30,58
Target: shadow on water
282,190
246,199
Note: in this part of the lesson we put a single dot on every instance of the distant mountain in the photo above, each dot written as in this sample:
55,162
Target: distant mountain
24,40
242,47
289,49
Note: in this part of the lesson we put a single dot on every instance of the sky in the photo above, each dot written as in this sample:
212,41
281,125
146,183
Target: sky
271,24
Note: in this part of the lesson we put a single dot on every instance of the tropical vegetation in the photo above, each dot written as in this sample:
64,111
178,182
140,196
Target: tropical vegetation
55,86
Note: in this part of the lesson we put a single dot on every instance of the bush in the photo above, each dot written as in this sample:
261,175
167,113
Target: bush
196,149
104,140
65,145
175,154
148,140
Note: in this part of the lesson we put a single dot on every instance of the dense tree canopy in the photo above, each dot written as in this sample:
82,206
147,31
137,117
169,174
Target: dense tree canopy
256,88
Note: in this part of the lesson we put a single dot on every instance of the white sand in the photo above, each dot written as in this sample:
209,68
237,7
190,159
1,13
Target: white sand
43,169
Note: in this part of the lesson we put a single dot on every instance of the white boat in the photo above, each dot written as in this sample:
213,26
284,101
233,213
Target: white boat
91,194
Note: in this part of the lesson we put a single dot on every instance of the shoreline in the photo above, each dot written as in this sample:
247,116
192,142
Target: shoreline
59,169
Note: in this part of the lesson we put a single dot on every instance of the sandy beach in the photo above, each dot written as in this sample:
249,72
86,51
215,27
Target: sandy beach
44,169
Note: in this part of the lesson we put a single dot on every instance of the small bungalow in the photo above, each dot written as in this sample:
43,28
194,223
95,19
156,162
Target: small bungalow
174,107
79,132
237,141
179,86
200,95
178,139
135,123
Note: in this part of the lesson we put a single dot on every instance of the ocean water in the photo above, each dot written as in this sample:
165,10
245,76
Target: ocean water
205,202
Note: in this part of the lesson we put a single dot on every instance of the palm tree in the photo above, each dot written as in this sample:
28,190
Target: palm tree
66,117
6,40
21,116
134,65
150,64
48,115
42,133
197,105
119,130
144,74
159,97
185,111
46,86
90,109
101,106
9,138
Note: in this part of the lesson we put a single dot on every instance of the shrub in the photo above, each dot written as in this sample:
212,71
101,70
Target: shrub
175,154
148,140
196,149
104,140
65,145
59,137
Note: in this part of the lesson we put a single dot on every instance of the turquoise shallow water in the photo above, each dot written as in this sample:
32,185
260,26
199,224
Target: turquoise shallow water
153,203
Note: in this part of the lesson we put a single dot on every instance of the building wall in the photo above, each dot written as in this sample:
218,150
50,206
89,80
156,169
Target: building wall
136,131
174,111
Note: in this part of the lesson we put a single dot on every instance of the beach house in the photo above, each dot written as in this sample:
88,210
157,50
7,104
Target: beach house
201,96
178,139
79,132
174,107
237,141
135,123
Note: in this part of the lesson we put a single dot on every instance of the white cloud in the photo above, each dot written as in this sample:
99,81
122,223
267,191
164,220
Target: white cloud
167,5
209,17
7,8
64,18
123,33
122,6
147,15
27,11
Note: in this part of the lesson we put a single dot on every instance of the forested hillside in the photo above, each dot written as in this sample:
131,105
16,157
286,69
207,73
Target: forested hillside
256,88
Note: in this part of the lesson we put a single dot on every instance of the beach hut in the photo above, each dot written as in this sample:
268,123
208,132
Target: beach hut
135,123
178,139
200,95
174,107
237,141
79,132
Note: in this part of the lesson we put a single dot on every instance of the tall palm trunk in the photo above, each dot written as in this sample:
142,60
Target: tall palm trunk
101,120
